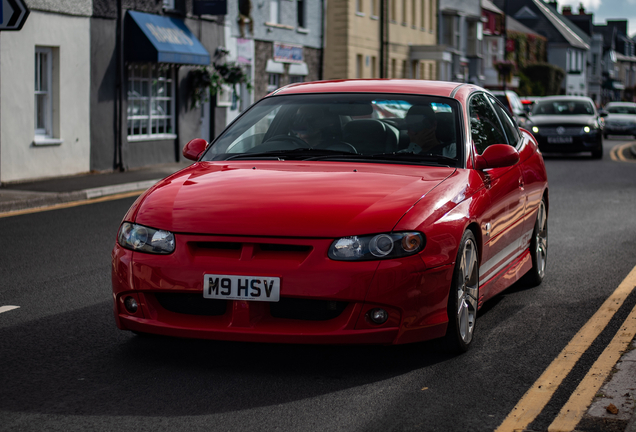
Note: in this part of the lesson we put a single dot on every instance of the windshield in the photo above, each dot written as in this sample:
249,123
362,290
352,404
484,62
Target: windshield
621,110
563,107
366,127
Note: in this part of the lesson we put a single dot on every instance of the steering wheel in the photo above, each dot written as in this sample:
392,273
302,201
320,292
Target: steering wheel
337,146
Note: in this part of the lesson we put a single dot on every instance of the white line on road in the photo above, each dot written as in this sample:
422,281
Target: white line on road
8,308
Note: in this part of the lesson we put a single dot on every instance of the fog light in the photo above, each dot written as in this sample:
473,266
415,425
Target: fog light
378,316
131,305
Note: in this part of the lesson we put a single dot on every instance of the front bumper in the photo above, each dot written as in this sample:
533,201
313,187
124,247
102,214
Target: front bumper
579,143
322,301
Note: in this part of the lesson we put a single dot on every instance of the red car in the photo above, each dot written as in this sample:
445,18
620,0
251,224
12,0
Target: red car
311,220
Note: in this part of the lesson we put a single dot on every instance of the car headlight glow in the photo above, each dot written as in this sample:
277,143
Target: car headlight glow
145,239
586,129
379,246
535,129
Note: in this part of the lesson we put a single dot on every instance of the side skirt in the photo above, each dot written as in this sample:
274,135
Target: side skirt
506,277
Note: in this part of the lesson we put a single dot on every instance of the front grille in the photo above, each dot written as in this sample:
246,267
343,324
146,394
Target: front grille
308,310
191,304
568,130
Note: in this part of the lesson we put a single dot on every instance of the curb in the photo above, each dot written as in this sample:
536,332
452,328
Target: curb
14,200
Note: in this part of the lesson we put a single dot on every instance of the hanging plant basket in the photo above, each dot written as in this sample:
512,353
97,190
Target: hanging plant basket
206,81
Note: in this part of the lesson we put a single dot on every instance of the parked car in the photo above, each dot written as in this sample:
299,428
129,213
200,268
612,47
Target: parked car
621,119
567,124
308,220
513,104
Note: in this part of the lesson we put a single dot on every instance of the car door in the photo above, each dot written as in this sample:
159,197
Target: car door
502,222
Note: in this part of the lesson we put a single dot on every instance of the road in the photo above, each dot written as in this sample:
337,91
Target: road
64,365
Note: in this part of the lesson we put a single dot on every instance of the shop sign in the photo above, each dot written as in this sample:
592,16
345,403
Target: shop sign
244,51
288,53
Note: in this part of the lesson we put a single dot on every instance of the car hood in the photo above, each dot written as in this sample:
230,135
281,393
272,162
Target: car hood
583,120
622,118
315,199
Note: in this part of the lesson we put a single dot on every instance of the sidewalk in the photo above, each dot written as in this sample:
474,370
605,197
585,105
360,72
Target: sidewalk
21,196
619,391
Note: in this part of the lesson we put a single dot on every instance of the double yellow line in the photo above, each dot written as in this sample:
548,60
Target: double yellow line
617,153
537,397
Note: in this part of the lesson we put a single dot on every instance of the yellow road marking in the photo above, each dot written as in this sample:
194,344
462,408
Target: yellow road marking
576,407
616,154
536,398
71,204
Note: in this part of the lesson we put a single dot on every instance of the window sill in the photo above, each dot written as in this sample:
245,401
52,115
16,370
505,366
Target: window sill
158,137
280,26
302,30
46,141
374,17
360,14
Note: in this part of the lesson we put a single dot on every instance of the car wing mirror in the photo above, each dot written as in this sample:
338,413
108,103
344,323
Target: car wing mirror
603,113
497,156
193,149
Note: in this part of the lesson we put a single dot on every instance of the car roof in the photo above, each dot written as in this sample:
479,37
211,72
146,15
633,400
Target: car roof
620,104
566,97
403,86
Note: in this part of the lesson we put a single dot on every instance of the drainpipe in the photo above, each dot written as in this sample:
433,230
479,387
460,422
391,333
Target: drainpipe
119,159
383,26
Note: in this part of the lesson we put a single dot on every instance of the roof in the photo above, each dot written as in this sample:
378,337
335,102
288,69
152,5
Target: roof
572,33
514,25
490,6
404,86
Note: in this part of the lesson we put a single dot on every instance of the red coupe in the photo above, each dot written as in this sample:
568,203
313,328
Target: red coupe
354,211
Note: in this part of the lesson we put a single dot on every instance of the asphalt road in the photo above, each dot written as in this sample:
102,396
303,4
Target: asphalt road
65,366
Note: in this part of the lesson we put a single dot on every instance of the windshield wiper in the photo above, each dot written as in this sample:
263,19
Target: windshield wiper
299,153
410,157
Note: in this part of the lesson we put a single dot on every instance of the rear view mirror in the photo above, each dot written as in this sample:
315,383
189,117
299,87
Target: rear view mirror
193,149
497,156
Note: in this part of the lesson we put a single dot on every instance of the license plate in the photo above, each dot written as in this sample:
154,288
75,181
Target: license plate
560,140
232,287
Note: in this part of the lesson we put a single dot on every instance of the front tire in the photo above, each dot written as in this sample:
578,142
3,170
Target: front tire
463,298
538,247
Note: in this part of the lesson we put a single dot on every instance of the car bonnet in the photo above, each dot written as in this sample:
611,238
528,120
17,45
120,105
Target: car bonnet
310,199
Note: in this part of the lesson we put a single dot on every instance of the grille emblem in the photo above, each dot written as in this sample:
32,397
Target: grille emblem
560,130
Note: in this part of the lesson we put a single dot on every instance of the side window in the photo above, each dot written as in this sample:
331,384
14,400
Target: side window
509,126
484,124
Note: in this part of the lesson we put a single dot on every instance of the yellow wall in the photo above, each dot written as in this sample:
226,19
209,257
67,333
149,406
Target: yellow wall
353,33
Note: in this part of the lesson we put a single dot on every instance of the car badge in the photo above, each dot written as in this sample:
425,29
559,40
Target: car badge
560,130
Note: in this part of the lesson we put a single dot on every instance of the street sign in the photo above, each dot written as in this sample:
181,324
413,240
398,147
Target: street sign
13,14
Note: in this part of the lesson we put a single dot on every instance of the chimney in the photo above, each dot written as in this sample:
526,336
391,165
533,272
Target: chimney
581,9
567,10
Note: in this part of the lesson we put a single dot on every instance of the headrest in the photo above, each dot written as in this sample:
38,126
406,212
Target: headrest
419,116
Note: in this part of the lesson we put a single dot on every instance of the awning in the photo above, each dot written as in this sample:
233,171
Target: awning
161,39
274,67
298,69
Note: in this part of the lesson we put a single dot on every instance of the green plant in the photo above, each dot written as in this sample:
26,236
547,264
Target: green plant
206,81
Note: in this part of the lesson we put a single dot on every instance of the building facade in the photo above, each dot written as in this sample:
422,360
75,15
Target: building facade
45,93
381,39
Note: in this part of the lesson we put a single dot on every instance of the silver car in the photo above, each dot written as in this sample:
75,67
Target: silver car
621,119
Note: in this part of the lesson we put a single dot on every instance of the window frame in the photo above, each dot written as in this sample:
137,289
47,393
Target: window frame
154,73
47,130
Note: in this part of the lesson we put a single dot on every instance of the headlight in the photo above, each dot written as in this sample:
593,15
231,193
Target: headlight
145,239
586,129
535,129
373,247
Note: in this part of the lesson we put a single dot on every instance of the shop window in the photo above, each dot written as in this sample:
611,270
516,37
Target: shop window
296,79
151,102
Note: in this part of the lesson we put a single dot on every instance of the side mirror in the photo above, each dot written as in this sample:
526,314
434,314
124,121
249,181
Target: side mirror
603,113
497,156
193,149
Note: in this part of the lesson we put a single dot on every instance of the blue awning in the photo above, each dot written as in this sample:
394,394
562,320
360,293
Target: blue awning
161,39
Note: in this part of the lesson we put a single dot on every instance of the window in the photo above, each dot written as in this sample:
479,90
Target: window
405,14
508,124
359,66
393,68
392,11
168,4
413,9
374,8
296,79
151,102
484,125
274,11
373,67
273,82
43,92
300,12
431,72
405,69
359,9
431,16
423,14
